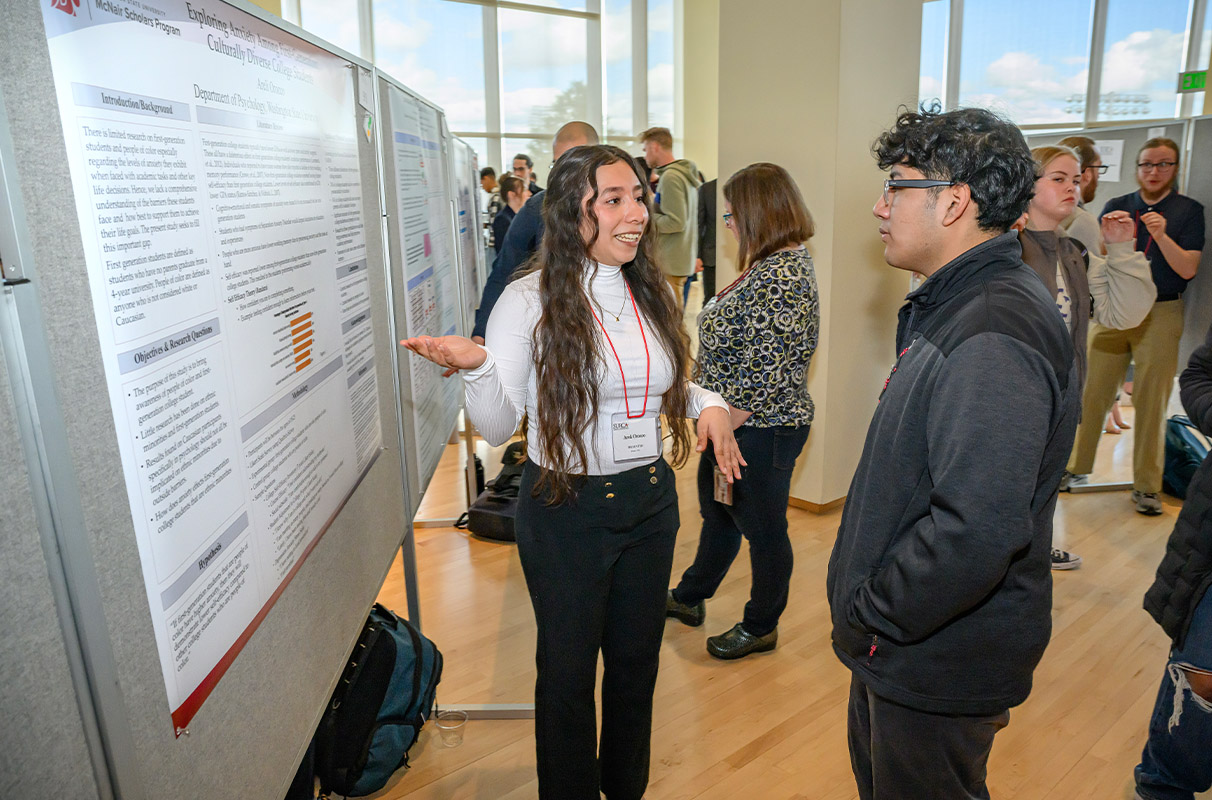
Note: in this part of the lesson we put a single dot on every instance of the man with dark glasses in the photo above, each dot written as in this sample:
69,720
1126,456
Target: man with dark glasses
940,580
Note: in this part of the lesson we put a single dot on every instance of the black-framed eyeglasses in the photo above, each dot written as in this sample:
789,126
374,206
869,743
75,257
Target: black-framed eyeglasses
911,183
1164,166
1101,169
728,220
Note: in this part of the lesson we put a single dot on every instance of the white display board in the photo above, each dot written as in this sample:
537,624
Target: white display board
471,246
422,211
217,183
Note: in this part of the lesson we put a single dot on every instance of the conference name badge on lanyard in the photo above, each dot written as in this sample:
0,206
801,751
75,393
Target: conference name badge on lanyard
636,436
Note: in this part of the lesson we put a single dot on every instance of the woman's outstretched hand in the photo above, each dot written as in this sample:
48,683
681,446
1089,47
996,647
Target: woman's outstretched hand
453,352
715,424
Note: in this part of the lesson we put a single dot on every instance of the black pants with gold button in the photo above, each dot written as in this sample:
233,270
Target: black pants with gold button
596,567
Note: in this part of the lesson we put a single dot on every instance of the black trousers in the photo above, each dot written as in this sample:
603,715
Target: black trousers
899,753
758,513
597,567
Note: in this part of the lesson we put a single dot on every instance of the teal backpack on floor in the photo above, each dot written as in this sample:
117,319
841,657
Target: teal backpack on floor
383,698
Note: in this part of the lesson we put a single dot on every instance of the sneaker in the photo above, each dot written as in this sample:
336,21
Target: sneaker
1063,559
691,615
738,643
1147,503
1068,479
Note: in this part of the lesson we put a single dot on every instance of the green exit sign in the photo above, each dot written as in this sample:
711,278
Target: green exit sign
1192,81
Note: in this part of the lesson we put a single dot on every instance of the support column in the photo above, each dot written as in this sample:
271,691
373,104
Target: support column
809,84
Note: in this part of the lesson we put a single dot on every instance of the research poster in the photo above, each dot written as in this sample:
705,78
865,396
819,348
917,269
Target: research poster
423,213
467,195
215,171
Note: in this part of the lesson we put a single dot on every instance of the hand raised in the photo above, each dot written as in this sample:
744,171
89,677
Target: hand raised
1155,222
453,352
1118,226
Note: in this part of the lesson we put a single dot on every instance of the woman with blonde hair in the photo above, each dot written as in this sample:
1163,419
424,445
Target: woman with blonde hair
756,339
1116,291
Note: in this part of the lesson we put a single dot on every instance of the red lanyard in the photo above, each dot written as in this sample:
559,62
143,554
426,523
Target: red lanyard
1148,243
647,358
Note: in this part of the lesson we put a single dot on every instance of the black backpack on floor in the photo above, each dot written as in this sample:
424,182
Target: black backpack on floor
1185,451
491,515
383,698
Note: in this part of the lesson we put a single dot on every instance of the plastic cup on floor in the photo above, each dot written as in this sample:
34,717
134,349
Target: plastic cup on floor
451,723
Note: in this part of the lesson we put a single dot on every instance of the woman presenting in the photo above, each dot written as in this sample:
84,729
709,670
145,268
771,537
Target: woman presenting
589,347
756,339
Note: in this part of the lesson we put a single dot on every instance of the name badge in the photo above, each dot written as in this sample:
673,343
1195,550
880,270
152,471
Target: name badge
638,438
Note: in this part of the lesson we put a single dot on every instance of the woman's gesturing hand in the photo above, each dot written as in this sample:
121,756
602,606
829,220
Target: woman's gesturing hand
452,352
715,424
1118,226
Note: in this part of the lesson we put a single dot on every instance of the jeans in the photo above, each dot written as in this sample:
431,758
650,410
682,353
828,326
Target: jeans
1177,759
597,566
900,753
759,514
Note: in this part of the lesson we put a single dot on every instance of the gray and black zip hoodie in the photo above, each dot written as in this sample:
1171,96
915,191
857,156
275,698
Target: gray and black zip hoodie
940,582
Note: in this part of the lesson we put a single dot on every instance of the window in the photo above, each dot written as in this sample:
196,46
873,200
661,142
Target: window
1027,59
333,20
1032,59
660,63
508,74
436,48
936,15
617,67
1142,59
544,72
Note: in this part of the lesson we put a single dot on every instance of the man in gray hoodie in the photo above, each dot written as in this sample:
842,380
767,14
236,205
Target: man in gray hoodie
940,582
677,211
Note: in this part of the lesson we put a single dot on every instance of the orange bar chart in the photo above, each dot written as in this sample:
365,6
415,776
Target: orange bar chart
301,338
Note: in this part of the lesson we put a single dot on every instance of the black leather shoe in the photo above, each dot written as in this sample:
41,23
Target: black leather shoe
691,615
738,643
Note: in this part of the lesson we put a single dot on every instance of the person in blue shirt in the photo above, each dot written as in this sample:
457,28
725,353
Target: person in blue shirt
526,230
1170,232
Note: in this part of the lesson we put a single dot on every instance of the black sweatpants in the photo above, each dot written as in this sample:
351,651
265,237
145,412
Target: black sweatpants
900,753
596,567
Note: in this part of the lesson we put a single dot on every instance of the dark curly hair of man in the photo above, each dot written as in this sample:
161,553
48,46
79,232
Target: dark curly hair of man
969,146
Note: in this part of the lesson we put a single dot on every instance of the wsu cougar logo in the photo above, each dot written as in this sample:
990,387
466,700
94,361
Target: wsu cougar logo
66,6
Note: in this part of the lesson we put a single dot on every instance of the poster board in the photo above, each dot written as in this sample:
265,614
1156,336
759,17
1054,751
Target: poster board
466,171
219,200
328,469
424,263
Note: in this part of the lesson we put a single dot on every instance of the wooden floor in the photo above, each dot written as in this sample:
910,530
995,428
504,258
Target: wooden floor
773,726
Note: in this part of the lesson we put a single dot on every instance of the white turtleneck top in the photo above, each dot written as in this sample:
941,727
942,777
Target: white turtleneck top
502,389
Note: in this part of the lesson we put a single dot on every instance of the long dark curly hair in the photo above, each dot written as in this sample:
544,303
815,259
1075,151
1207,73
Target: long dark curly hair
569,357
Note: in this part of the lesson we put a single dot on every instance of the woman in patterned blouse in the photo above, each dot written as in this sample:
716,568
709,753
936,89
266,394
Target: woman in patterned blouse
756,338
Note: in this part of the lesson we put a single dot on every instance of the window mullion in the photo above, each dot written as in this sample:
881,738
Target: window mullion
1094,73
639,65
1197,15
951,69
595,69
492,84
